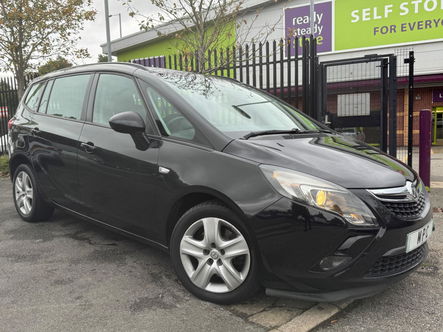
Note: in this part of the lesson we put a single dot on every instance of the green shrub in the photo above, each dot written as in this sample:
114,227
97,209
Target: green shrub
4,165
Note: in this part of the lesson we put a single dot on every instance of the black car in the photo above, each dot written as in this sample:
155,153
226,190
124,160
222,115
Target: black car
243,190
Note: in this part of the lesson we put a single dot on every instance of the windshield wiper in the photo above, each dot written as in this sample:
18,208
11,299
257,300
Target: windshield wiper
239,110
271,132
290,131
320,130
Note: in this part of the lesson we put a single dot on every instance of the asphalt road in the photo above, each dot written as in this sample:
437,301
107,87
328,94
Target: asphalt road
68,275
414,304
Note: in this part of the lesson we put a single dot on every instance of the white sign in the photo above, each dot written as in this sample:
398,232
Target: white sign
354,104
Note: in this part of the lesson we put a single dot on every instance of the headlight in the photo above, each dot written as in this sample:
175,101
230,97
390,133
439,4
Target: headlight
319,193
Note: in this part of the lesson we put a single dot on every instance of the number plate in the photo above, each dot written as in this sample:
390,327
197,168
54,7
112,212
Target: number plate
416,238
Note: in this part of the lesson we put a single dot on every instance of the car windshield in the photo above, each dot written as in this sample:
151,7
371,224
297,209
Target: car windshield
236,109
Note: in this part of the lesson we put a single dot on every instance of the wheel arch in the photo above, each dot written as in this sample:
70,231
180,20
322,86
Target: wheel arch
192,198
17,160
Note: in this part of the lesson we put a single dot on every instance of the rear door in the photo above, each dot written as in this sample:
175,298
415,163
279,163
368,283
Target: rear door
56,128
118,182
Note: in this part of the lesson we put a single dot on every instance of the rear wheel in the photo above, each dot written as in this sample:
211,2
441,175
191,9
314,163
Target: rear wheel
28,201
213,254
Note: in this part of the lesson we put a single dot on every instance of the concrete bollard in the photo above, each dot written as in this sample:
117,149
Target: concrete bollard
425,147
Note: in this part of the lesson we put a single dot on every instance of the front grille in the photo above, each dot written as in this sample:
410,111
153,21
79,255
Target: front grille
407,209
407,202
392,265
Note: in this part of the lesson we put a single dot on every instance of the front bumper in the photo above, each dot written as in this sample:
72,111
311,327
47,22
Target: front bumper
293,238
334,296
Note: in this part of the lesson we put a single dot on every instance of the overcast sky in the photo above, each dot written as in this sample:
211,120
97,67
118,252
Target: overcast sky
94,33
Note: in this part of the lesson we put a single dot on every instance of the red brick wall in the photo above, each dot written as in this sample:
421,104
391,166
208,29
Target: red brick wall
422,100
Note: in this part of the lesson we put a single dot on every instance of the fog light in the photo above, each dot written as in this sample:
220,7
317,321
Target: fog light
332,262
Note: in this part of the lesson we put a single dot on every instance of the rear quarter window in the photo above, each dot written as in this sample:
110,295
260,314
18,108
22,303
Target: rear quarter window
33,97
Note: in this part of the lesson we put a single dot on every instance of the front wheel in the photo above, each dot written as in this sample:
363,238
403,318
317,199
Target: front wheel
213,254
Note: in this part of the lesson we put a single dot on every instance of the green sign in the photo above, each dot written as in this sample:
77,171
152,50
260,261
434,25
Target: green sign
363,23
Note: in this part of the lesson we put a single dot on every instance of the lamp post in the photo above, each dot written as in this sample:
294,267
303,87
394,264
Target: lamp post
108,33
119,22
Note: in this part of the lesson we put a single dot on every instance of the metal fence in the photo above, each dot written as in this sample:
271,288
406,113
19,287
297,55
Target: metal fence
356,96
286,68
8,105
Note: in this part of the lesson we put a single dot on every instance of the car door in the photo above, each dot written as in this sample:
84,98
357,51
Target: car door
55,131
118,181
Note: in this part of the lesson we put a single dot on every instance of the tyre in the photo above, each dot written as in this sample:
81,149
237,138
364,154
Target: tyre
28,201
213,254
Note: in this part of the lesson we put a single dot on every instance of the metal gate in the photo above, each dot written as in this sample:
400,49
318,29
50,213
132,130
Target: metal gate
359,98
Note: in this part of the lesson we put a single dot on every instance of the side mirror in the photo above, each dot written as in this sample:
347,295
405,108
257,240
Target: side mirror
131,123
127,123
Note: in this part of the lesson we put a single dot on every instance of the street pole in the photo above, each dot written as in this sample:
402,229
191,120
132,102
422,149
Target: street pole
311,15
120,23
108,33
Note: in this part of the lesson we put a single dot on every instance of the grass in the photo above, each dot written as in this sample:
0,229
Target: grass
4,162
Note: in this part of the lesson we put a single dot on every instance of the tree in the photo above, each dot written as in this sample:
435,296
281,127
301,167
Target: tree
102,58
32,30
201,25
51,65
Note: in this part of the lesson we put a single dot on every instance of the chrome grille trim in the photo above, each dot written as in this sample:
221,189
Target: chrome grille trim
410,192
407,202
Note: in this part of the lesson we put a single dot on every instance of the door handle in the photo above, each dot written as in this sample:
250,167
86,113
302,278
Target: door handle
35,131
88,147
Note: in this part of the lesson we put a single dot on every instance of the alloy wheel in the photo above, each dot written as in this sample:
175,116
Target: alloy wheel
215,255
24,192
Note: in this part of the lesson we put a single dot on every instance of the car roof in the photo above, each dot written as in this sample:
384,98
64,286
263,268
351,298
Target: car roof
123,67
120,67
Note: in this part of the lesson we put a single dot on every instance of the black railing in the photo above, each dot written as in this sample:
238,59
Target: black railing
8,105
286,68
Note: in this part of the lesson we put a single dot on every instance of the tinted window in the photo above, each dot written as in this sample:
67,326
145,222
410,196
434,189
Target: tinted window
33,97
45,97
116,94
67,96
170,120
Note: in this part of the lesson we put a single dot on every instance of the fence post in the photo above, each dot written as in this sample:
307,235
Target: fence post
296,45
393,105
410,61
304,75
425,147
384,93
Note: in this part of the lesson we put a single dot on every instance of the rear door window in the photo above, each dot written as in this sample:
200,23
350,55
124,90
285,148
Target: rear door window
33,97
67,96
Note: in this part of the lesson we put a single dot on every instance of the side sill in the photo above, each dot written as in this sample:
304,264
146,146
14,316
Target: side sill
113,228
